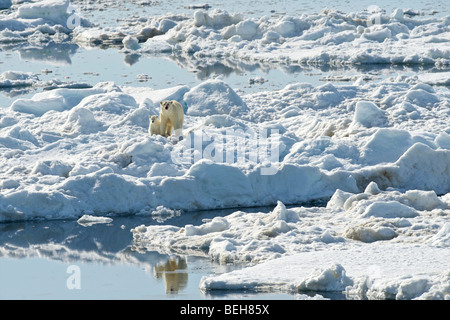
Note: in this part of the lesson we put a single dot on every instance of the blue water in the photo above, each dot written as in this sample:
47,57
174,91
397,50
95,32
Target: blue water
66,260
38,258
91,66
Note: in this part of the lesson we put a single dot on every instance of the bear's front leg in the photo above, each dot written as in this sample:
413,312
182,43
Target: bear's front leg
163,127
169,129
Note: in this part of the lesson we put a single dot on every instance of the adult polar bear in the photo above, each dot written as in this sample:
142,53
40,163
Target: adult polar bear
171,116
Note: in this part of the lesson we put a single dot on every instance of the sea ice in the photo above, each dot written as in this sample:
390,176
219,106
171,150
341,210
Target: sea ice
377,272
223,101
377,153
84,129
368,115
11,79
89,220
302,40
53,10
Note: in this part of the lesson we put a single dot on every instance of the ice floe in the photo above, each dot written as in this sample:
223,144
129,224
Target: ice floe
381,271
330,37
324,139
40,22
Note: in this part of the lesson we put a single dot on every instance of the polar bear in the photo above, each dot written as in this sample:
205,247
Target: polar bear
155,125
171,117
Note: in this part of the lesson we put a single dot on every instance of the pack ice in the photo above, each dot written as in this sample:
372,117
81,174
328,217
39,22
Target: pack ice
37,22
327,38
376,154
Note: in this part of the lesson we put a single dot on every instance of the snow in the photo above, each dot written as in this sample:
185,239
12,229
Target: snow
131,43
223,100
89,220
58,100
84,130
14,79
54,10
376,153
379,273
259,236
47,21
330,37
368,115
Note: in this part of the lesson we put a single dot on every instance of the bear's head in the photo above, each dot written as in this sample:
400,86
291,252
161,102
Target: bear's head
166,104
153,119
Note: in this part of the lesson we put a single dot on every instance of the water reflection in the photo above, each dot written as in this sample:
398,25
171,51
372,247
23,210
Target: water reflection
68,241
131,59
185,69
104,244
108,245
52,53
208,67
18,91
174,272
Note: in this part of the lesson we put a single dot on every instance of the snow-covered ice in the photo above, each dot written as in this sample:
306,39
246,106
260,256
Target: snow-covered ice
382,271
10,79
376,153
81,148
88,220
39,22
330,37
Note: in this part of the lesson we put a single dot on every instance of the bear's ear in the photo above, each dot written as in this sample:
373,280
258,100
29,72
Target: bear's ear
161,103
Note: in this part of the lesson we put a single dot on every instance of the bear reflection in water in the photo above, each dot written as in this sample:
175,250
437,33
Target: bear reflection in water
175,278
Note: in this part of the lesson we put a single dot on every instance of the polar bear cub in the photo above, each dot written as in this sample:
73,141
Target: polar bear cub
171,117
155,125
